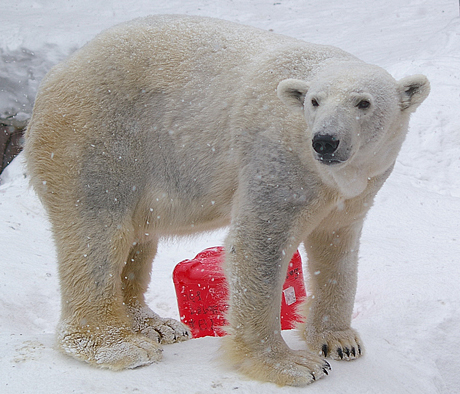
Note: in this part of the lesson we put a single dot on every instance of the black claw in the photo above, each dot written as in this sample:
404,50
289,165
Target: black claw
340,352
313,376
327,365
353,352
347,352
359,350
325,350
325,371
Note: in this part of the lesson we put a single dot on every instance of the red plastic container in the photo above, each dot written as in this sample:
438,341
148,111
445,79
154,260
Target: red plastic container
202,294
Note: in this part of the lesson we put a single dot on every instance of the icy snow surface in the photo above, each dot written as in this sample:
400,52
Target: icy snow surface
408,300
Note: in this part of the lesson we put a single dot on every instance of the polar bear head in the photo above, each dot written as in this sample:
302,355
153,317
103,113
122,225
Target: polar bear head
357,115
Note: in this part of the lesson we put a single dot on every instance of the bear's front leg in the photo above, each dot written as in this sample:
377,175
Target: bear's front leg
257,255
332,263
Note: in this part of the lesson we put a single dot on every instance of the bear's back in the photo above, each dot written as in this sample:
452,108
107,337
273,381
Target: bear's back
175,49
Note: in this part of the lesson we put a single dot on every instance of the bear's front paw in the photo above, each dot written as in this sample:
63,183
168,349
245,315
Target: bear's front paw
272,364
339,345
109,347
164,331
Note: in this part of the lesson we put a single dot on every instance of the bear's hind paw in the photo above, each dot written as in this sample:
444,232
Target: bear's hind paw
164,331
111,348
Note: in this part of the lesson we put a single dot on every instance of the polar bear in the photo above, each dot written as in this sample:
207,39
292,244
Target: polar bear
170,125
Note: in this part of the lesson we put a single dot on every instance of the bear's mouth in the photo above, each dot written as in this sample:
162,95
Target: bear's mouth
329,162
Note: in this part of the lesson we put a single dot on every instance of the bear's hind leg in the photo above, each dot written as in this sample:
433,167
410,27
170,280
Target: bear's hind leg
135,279
94,325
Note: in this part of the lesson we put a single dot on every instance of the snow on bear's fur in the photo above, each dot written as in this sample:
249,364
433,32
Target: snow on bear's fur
172,125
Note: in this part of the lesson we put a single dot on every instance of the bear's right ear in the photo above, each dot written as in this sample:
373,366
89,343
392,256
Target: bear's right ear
292,93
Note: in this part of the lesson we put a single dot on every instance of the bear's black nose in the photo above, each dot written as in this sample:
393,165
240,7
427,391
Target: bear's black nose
325,144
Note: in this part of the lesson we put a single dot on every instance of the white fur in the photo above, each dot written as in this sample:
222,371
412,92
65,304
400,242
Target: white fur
171,125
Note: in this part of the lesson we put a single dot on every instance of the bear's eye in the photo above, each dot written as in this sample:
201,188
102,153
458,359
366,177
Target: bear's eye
363,104
314,103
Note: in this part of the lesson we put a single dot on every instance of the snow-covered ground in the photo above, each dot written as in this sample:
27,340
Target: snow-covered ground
408,300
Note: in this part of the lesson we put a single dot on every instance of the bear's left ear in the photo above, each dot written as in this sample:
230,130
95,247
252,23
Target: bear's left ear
292,93
412,91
